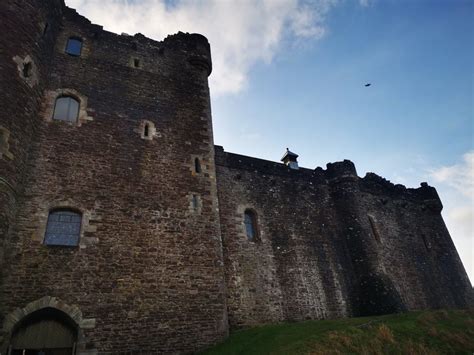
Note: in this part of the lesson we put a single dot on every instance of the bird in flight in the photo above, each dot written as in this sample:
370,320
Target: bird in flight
367,85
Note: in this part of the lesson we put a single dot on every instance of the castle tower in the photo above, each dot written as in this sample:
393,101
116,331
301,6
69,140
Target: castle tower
28,29
372,291
109,139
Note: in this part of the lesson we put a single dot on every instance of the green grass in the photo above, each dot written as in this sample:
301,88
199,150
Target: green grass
430,332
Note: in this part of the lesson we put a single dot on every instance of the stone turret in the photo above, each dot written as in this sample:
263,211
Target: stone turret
372,291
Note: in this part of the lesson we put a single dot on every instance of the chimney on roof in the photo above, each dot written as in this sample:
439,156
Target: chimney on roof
289,159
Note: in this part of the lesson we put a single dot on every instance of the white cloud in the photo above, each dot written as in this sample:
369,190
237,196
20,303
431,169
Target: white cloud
459,176
455,185
364,3
241,33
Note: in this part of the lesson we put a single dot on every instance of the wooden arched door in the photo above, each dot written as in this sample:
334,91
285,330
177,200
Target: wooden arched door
44,332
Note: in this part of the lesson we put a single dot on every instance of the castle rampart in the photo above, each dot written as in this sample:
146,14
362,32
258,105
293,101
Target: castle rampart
331,244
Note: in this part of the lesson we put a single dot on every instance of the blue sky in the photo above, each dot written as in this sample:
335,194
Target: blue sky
312,96
290,73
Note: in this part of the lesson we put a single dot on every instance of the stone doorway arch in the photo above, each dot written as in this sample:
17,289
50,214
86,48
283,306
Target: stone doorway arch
47,332
46,326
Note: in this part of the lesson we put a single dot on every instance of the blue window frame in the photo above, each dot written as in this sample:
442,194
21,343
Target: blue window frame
63,228
74,46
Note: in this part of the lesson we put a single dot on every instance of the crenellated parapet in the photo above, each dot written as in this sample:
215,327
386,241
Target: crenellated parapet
137,51
341,171
426,196
334,174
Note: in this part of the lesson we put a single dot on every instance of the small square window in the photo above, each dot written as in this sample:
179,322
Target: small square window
74,46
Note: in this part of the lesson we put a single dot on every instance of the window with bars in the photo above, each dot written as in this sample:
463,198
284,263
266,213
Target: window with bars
63,228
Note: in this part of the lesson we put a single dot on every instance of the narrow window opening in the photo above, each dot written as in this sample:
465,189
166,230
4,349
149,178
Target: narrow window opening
27,68
250,221
63,228
195,202
197,165
66,109
74,46
45,28
426,242
374,228
146,129
136,63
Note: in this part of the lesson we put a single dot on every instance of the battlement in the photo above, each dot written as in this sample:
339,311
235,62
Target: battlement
425,193
343,171
192,46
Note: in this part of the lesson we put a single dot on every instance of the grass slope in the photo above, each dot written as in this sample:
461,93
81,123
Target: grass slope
430,332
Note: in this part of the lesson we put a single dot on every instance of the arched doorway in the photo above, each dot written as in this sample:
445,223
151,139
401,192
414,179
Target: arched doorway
47,331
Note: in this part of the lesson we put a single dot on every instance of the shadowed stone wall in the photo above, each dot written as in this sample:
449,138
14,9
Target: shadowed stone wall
23,42
332,244
149,265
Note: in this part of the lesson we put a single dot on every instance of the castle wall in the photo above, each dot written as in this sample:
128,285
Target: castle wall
298,269
332,244
415,247
163,262
25,39
148,271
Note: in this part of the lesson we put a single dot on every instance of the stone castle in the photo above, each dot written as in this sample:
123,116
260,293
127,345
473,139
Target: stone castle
125,230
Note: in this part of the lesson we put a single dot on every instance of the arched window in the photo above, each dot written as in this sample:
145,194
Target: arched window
66,109
197,165
146,129
63,228
250,220
74,46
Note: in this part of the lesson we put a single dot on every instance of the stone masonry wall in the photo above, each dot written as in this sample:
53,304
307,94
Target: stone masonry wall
148,271
163,263
25,41
415,247
296,270
331,244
